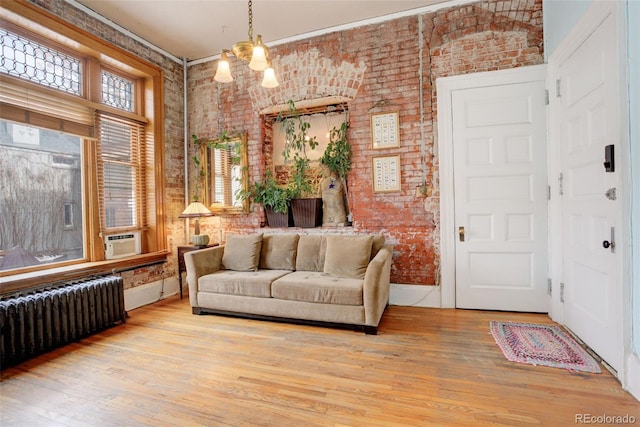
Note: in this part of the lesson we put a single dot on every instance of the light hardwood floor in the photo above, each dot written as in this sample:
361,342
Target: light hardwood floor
426,367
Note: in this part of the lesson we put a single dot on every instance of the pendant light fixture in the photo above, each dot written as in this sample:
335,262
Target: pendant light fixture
255,53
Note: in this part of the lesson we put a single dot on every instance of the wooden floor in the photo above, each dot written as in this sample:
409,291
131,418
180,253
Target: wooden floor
426,367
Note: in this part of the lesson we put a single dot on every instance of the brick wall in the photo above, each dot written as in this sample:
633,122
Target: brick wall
482,36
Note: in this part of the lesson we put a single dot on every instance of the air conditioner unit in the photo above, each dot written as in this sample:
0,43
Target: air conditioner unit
122,245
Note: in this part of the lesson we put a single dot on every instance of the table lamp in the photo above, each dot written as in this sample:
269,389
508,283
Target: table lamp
197,210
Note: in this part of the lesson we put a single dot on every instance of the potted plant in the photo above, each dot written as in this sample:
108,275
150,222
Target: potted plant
337,157
306,206
275,199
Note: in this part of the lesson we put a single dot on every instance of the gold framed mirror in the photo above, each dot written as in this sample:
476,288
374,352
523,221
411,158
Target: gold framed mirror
225,173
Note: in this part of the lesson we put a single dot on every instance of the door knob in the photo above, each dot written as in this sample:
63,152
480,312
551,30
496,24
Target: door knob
606,244
461,233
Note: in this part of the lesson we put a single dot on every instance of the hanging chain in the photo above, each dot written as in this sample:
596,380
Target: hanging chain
250,20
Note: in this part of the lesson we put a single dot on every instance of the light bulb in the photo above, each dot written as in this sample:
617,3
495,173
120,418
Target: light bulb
223,73
269,80
259,57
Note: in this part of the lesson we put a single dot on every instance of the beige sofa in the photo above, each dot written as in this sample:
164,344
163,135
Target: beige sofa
332,280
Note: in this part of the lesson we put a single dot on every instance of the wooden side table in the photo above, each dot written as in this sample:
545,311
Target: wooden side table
181,266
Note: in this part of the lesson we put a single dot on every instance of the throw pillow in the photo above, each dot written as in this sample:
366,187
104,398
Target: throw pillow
348,256
279,252
311,251
242,252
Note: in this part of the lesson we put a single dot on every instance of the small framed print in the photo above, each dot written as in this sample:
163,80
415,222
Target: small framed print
385,131
386,174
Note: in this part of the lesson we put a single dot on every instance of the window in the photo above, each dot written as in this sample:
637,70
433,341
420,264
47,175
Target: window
120,173
37,216
80,148
40,64
117,91
68,215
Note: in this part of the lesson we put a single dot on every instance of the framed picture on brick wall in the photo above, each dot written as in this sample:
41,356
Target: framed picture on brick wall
385,130
386,174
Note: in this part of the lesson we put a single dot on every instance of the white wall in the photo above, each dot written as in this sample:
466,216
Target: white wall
558,18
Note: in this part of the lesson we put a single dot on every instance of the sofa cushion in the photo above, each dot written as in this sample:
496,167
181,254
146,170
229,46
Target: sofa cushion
244,283
279,252
311,251
242,252
347,256
313,286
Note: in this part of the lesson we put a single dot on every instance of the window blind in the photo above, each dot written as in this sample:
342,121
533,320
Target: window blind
121,173
42,107
220,172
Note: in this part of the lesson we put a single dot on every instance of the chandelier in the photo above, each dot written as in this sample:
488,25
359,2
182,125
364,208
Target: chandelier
255,53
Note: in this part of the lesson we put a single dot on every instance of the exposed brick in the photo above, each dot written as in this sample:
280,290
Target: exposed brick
377,67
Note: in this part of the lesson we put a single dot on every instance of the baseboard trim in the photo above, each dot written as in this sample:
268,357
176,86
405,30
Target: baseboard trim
415,295
631,382
150,293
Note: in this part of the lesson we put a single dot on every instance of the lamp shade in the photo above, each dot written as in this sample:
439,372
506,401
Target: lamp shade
195,210
223,72
269,80
259,57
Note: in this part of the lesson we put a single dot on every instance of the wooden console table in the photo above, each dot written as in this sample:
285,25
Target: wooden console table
181,267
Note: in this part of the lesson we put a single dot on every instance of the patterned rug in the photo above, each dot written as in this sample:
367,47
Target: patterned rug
546,345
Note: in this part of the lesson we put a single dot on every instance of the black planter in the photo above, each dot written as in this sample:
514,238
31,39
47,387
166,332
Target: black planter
276,219
307,213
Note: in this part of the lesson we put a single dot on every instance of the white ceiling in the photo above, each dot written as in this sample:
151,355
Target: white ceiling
196,29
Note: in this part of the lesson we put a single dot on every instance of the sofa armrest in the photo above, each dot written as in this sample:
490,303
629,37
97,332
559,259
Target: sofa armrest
198,263
376,285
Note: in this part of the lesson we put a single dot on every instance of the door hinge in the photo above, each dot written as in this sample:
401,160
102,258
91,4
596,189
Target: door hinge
558,94
546,97
561,184
561,292
548,192
549,287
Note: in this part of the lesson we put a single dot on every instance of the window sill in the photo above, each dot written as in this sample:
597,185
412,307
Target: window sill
42,278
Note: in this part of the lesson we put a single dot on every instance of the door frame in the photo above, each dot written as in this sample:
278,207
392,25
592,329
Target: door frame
445,87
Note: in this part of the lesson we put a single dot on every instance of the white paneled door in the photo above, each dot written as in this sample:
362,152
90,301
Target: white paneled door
588,115
500,186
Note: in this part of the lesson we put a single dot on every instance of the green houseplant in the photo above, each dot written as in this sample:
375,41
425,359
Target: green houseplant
303,180
275,199
337,157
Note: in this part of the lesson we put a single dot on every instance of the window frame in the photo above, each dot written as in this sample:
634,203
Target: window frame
33,22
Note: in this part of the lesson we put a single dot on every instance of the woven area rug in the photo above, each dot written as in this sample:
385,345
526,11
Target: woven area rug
546,345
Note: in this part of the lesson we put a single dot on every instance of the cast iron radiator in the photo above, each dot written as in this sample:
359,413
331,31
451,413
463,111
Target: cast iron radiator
43,320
